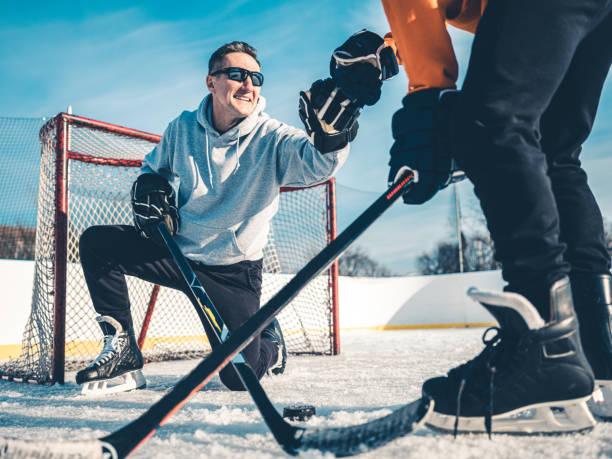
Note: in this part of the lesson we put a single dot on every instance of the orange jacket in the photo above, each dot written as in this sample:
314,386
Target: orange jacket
421,41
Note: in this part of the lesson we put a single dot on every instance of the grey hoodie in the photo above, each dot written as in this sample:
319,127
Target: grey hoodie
228,184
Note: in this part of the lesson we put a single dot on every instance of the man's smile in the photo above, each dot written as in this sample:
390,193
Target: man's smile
243,97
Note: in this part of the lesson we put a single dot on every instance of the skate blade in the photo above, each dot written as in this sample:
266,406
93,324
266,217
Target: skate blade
568,416
600,403
126,382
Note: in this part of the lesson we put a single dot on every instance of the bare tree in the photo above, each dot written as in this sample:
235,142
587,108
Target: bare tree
17,242
357,263
444,258
478,255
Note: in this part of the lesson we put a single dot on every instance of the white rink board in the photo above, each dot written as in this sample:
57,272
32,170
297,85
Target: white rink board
16,283
398,302
394,302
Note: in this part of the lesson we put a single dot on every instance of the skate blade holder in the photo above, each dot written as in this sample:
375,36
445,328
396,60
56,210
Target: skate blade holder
548,418
600,403
126,382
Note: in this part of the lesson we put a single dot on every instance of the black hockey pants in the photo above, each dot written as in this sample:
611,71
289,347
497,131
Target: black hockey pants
108,253
528,102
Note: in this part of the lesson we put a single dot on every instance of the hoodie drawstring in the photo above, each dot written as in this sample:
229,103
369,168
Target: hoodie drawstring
237,151
210,177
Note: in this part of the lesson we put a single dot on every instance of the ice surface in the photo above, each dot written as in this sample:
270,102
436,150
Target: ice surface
377,371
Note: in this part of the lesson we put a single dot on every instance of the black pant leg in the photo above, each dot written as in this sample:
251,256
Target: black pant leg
521,52
565,125
108,253
235,290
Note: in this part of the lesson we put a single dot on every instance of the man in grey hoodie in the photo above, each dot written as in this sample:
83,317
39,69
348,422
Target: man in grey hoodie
214,178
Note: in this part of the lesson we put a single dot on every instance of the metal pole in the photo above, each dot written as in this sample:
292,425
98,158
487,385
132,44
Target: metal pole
458,218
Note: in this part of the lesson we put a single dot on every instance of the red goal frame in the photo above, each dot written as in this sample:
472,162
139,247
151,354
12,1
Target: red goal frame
63,154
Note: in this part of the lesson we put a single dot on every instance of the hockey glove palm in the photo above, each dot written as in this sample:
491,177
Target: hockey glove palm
359,66
421,130
153,201
328,116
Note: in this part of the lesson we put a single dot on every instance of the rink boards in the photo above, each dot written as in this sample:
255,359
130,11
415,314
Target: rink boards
365,303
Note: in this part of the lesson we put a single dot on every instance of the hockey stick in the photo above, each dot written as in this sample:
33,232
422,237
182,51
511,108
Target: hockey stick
208,314
341,441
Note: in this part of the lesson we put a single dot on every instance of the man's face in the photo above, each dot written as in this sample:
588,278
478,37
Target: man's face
234,98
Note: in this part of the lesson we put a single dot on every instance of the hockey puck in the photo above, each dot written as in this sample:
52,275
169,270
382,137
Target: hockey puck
299,412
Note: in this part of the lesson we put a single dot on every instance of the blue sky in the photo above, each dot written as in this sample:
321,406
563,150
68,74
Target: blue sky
140,64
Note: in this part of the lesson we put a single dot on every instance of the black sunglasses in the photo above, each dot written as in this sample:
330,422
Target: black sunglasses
240,74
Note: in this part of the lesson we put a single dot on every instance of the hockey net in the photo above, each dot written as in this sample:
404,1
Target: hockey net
86,170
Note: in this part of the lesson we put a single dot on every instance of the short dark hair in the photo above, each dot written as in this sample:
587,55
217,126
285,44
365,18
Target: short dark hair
233,47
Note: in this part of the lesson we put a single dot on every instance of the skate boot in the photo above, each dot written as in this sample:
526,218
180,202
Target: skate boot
532,377
274,333
117,368
593,304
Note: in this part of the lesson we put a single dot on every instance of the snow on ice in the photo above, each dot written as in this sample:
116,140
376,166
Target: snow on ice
376,372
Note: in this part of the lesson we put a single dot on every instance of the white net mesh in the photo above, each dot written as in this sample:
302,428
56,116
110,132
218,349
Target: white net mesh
102,163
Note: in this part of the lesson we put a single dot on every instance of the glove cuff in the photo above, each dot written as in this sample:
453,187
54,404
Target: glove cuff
327,143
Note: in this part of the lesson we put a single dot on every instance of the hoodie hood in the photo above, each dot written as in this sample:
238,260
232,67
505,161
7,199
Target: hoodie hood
230,137
243,128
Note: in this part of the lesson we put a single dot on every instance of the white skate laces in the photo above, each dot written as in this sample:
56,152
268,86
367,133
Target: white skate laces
112,345
118,366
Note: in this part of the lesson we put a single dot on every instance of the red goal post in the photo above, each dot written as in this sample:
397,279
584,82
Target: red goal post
87,168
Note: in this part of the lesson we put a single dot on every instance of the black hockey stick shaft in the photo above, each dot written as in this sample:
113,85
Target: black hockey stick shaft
129,437
208,313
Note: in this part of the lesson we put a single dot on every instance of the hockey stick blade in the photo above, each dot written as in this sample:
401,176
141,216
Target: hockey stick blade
351,440
129,437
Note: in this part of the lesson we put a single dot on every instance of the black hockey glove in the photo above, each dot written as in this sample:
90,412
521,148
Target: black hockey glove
328,116
421,129
359,66
153,201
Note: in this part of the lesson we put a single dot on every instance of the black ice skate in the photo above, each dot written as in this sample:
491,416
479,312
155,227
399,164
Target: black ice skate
593,304
117,368
274,333
532,377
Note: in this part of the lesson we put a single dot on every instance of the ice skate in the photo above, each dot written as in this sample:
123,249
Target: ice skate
274,333
117,368
593,303
531,378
